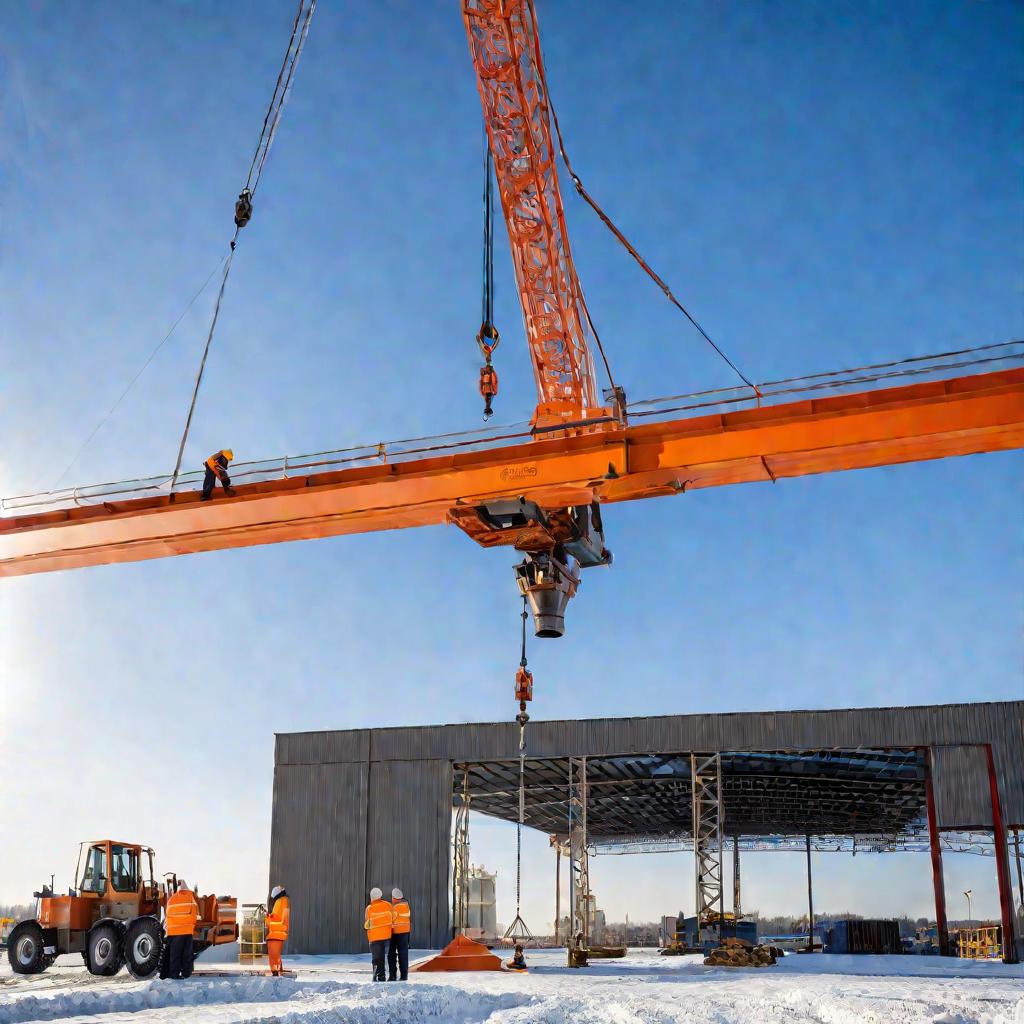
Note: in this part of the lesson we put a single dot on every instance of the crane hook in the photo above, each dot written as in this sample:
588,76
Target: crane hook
488,374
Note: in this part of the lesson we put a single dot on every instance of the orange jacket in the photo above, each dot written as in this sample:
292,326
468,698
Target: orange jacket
278,918
377,921
182,913
217,462
401,917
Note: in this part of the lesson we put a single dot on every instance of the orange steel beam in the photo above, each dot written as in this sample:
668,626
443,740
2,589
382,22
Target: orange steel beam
959,416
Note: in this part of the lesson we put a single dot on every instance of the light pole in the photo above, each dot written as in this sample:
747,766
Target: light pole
967,893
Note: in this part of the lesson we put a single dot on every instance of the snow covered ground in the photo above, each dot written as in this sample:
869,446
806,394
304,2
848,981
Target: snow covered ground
643,988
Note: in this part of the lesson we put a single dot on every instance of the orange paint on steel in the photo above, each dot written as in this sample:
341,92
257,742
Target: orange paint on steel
960,416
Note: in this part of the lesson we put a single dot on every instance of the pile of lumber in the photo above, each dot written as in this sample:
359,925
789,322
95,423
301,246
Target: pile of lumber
740,953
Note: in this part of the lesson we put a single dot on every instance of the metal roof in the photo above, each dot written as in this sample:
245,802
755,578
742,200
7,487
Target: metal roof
874,795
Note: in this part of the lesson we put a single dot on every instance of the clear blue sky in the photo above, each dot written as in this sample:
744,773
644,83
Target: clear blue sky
826,185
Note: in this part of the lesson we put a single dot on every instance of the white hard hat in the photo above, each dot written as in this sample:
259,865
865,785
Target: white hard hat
375,893
276,891
396,893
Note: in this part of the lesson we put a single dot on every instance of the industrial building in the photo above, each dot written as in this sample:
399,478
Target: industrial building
365,807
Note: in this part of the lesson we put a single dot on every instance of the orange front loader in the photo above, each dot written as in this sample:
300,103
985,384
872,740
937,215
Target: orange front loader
113,917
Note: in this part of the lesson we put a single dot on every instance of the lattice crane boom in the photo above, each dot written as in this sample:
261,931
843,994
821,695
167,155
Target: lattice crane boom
506,54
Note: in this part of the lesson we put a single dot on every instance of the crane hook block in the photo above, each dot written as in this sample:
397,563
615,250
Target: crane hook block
243,208
488,387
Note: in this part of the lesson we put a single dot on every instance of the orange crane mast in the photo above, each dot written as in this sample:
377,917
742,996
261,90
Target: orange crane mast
505,48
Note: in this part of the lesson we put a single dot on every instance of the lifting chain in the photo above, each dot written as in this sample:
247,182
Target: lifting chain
524,686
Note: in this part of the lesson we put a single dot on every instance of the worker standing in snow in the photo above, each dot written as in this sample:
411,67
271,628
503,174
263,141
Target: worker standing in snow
180,916
217,469
398,946
377,922
277,920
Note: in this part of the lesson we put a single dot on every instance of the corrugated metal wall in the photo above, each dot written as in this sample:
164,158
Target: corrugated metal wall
409,827
962,793
385,794
318,853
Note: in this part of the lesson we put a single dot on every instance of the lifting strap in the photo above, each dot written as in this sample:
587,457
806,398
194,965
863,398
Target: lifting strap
243,206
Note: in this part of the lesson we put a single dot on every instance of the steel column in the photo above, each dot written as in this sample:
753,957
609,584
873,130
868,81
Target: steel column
558,887
1002,864
810,898
736,877
935,846
1020,873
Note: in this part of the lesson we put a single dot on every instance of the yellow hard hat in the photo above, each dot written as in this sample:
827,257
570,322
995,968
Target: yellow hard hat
229,454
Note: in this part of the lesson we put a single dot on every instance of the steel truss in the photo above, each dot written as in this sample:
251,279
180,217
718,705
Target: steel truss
706,776
961,841
579,857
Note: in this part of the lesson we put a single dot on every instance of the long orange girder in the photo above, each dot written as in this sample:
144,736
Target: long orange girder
957,416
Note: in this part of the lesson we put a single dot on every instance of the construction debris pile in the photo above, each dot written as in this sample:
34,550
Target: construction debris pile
740,953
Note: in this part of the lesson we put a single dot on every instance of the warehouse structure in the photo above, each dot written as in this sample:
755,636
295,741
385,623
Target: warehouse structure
365,807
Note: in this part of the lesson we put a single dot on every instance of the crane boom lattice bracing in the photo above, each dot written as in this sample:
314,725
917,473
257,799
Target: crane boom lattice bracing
506,55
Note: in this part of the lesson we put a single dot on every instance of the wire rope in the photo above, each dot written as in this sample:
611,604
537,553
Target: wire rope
610,224
243,208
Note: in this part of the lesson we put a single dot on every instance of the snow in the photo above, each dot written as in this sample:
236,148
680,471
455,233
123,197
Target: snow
642,988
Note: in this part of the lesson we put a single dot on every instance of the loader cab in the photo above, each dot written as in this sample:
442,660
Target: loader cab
117,873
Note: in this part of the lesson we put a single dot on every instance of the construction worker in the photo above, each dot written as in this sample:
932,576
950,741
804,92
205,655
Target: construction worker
180,916
278,915
217,469
377,922
398,946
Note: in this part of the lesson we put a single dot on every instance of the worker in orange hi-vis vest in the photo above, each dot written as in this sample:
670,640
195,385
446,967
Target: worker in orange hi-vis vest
377,922
398,947
216,467
181,913
277,920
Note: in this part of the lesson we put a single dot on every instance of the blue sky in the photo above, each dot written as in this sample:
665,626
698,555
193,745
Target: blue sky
824,185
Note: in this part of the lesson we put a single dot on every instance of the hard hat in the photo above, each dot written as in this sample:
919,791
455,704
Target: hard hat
376,894
182,884
276,891
229,454
396,893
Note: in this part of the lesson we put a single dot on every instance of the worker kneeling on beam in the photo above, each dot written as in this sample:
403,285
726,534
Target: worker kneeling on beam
180,916
398,947
217,469
277,920
377,922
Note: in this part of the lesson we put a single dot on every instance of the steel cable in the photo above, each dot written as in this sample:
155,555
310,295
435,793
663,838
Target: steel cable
272,118
152,355
630,248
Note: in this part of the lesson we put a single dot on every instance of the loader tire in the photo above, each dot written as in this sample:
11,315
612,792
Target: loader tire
143,944
106,949
25,949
